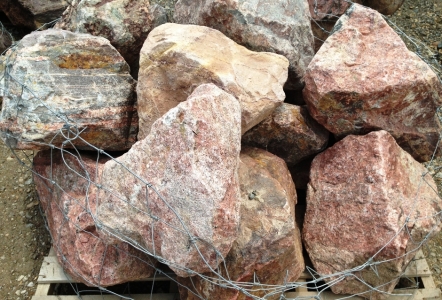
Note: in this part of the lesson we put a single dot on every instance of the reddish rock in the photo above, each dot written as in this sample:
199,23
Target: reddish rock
61,83
125,23
268,248
281,27
69,202
360,194
363,78
190,158
32,13
321,10
326,12
289,133
175,59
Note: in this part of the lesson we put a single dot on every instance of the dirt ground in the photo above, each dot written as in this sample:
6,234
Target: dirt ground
24,240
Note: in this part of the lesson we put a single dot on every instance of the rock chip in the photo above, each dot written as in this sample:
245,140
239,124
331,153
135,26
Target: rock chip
176,58
281,27
363,78
290,133
32,13
368,201
125,23
189,216
61,83
65,185
268,248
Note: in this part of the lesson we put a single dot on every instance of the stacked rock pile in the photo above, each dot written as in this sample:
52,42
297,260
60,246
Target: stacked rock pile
180,143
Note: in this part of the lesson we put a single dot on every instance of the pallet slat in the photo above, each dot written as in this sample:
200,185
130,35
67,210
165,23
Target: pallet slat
52,273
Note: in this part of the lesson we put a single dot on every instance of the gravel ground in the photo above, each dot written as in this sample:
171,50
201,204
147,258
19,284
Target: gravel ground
24,240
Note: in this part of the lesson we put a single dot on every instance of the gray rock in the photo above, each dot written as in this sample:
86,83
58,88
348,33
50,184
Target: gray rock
60,84
125,23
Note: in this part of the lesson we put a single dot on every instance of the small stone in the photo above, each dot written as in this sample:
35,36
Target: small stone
30,284
20,278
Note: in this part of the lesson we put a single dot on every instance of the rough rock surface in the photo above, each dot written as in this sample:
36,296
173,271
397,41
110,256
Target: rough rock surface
281,27
325,13
56,78
385,7
321,10
191,159
268,247
32,13
360,193
290,133
5,39
176,58
363,78
125,23
70,205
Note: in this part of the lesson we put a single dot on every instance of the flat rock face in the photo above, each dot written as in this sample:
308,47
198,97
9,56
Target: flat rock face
70,205
61,83
290,133
125,23
176,58
191,159
360,193
268,248
281,27
363,78
45,11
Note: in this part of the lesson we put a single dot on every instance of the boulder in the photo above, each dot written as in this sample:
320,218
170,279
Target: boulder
175,59
282,27
290,133
65,183
65,88
125,23
363,78
268,249
325,13
370,206
176,193
32,13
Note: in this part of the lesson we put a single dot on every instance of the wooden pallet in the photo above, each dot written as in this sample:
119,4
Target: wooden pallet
52,274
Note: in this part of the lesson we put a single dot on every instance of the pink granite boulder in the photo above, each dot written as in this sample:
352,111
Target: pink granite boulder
281,27
268,249
363,79
175,59
176,192
290,133
370,206
65,183
67,87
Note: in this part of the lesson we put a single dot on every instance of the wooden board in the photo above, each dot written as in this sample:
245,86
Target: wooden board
51,273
